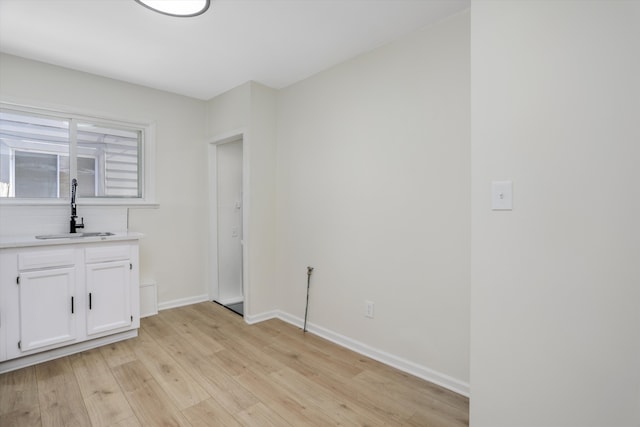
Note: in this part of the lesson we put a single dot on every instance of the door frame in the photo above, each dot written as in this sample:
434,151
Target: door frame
237,135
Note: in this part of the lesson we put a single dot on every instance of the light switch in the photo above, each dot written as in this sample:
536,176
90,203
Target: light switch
502,195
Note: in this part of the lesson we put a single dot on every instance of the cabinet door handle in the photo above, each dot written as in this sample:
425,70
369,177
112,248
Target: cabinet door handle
71,305
89,300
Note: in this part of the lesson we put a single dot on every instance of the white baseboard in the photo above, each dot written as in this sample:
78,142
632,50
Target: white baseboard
262,317
182,302
404,365
443,380
229,301
22,362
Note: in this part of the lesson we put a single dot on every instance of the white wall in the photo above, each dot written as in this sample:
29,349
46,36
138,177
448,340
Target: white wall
373,191
262,154
555,302
172,253
250,109
229,112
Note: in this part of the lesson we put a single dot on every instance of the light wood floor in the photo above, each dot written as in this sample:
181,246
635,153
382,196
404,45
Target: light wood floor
201,365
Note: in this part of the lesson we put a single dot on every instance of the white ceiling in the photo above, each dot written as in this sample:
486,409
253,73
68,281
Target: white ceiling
274,42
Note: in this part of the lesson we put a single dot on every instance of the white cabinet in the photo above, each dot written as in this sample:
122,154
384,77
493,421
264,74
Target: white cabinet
73,296
109,295
47,308
45,287
108,272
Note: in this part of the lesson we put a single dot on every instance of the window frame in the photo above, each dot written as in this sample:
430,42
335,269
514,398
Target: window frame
147,151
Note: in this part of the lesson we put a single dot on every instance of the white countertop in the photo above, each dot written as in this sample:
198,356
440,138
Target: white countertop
25,241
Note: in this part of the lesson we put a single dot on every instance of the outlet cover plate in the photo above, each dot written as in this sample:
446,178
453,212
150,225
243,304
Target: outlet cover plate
369,308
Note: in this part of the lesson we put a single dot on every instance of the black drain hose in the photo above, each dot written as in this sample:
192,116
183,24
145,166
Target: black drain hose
306,310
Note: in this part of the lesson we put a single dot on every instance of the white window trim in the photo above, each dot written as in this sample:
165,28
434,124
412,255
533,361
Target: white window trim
148,198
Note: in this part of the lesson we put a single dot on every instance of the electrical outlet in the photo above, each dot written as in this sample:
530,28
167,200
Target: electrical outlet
369,305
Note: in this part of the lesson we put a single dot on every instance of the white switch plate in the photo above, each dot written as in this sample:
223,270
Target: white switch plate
502,195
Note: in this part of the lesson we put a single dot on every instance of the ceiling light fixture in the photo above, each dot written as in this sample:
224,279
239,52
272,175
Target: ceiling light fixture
183,8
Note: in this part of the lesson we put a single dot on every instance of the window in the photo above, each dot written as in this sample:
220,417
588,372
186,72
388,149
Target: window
40,152
108,160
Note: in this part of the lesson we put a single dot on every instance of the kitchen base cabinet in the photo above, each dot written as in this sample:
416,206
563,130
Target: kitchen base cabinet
109,292
60,299
47,312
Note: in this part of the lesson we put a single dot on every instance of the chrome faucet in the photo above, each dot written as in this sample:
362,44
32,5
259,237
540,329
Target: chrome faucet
72,223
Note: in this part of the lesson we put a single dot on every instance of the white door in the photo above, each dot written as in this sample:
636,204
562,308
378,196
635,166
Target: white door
47,308
108,296
229,221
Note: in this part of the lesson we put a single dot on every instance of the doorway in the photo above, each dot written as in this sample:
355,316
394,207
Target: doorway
227,212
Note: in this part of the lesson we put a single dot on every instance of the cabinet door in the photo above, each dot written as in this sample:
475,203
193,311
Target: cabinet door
47,308
108,296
